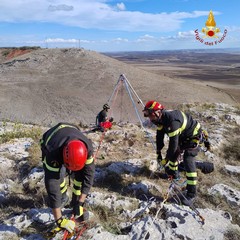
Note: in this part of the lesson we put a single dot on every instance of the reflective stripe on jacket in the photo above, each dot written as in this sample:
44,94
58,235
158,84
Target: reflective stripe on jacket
178,126
52,144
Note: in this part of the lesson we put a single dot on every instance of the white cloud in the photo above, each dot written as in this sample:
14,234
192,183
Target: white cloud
146,38
182,40
61,7
121,6
120,40
92,14
186,35
61,40
232,28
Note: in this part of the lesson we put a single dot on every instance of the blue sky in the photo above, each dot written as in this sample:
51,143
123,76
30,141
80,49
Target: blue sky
109,25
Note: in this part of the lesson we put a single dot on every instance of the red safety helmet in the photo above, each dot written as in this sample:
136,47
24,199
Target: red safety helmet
75,155
151,107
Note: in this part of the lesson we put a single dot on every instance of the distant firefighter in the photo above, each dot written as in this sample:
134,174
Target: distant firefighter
102,120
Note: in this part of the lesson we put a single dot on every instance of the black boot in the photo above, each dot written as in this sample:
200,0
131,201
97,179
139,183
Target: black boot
187,199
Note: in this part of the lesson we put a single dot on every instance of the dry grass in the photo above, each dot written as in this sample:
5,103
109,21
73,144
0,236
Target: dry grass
216,202
231,152
34,158
112,182
232,234
5,236
20,131
18,202
107,217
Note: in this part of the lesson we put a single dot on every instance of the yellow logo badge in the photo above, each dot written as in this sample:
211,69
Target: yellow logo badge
210,32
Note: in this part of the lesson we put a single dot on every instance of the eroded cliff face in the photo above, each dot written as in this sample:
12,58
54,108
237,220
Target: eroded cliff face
9,53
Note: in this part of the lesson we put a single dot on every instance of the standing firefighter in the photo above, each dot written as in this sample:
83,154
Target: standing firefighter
184,134
64,147
102,120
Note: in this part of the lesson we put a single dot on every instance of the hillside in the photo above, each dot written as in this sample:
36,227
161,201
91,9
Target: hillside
51,85
128,199
131,198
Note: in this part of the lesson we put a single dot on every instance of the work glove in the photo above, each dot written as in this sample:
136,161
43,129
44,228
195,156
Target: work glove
207,145
78,210
65,223
164,162
80,213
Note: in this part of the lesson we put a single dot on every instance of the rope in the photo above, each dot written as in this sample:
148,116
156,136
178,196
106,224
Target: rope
99,146
161,207
68,235
114,96
103,134
122,79
190,203
85,226
172,187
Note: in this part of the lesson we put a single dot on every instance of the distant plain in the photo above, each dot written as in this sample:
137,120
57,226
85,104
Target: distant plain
219,70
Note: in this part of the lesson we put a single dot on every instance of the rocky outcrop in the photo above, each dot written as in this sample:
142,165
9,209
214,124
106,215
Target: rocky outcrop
127,200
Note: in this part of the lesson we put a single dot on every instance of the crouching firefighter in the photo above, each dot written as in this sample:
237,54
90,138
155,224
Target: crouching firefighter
102,120
184,133
64,147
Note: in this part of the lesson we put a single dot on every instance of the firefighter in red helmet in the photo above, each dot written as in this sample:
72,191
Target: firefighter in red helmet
65,148
184,134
